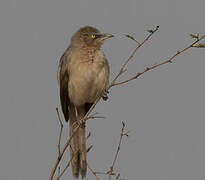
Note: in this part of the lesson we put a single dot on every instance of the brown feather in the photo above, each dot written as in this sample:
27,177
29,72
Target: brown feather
63,78
74,144
83,75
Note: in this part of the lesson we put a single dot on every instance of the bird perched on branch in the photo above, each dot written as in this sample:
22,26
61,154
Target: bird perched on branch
83,75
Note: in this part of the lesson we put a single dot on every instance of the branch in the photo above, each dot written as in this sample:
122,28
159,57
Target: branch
131,37
117,152
169,60
110,172
61,153
86,117
61,173
122,70
94,173
114,83
61,129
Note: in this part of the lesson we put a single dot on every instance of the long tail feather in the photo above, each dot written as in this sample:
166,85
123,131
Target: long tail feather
78,142
74,144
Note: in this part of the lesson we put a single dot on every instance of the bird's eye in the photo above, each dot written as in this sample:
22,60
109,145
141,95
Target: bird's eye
93,36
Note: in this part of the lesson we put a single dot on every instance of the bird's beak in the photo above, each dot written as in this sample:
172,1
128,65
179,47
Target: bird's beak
105,36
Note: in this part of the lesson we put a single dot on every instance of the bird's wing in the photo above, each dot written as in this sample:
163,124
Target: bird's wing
63,78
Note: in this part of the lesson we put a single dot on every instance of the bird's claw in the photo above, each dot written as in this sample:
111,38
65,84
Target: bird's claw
105,95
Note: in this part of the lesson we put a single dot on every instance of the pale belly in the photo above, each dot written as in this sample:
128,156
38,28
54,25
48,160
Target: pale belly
87,82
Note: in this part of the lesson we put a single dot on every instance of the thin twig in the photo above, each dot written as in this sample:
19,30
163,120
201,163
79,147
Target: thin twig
79,122
114,83
131,56
104,173
117,152
59,170
68,143
118,176
89,134
169,60
131,37
61,130
60,175
67,166
62,152
95,117
94,173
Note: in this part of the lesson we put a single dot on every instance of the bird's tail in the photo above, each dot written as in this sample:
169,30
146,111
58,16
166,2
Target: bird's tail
78,142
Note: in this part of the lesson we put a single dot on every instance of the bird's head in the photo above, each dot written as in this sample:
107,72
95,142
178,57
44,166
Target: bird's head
89,36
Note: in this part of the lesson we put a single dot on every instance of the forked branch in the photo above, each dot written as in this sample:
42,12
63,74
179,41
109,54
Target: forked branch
195,44
169,60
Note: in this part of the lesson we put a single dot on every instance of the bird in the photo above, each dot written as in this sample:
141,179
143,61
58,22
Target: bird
83,75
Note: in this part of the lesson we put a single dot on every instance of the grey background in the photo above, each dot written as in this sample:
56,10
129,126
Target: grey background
164,108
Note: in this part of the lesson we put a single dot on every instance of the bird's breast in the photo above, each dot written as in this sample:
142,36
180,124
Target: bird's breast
87,78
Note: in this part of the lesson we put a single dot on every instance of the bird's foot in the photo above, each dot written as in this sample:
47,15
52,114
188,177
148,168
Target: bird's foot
105,95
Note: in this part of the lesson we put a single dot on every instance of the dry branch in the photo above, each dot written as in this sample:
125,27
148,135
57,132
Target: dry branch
110,173
93,172
122,70
61,130
195,44
169,60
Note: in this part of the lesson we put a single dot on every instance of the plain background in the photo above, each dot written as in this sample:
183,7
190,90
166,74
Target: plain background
164,109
